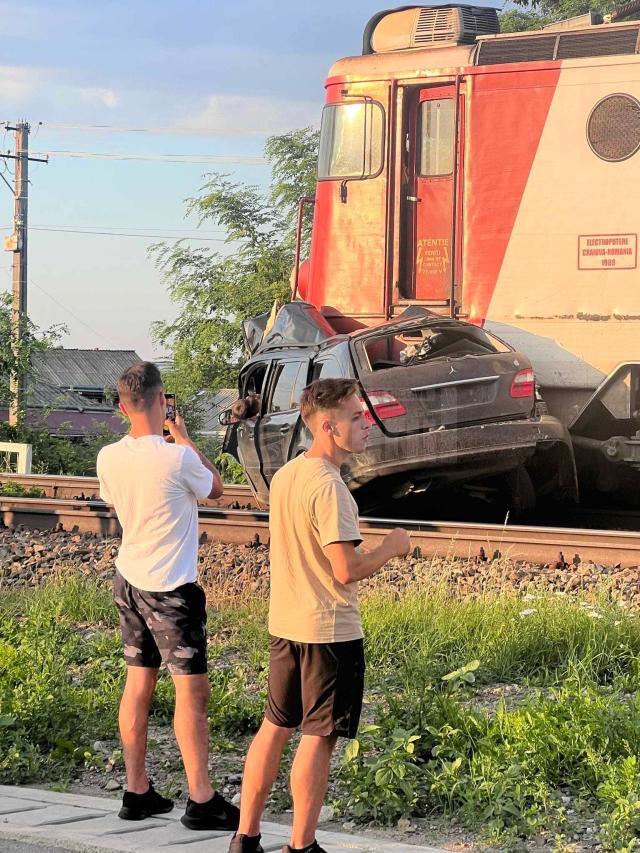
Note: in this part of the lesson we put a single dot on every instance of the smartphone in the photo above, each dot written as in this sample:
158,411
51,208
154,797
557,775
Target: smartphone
171,411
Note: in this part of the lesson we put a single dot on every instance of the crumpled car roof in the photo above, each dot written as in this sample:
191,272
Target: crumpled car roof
297,323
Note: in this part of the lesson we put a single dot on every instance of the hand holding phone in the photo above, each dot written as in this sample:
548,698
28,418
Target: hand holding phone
170,413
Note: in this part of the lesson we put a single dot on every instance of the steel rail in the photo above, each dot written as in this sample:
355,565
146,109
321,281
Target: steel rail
87,488
459,539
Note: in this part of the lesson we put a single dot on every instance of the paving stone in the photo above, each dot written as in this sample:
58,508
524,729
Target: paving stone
12,805
91,824
51,815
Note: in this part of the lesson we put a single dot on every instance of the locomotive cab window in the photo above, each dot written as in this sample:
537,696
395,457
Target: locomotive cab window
437,130
351,140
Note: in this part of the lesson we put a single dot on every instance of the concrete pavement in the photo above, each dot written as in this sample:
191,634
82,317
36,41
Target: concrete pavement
76,822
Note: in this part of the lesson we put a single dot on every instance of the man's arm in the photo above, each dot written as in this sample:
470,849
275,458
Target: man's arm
349,565
178,430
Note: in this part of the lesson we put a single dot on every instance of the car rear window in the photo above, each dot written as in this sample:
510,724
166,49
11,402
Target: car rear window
429,342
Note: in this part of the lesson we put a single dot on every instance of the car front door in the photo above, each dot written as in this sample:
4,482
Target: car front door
252,381
281,420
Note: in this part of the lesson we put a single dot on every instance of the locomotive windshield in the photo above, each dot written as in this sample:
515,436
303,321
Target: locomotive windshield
351,140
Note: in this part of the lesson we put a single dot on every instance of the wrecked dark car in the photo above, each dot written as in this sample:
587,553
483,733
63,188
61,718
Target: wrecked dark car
451,406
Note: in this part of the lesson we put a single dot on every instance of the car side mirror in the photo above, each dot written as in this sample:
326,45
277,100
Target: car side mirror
226,418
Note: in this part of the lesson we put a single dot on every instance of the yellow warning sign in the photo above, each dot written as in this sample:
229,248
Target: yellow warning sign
433,256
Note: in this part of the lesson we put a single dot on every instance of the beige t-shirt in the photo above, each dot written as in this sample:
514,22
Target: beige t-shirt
310,507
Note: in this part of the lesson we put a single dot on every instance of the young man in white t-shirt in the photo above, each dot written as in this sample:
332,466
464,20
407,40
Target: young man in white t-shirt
154,486
316,666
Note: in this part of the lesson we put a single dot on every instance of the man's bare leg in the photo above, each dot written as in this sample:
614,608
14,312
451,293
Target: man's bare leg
260,772
191,726
309,780
133,718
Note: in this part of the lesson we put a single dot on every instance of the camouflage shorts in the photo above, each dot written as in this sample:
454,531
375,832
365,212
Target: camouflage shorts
163,626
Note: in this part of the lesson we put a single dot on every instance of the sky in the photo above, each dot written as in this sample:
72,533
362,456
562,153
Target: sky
148,78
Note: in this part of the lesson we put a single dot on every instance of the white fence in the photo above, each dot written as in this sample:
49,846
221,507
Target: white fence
15,458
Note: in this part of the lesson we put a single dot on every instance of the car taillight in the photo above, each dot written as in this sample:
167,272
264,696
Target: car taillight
385,405
523,384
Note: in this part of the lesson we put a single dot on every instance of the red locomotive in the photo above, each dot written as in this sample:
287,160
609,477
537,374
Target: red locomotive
492,177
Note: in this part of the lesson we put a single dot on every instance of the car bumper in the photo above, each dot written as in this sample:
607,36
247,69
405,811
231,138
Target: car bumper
452,454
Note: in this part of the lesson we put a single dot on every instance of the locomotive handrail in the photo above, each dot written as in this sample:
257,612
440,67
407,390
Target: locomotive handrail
306,199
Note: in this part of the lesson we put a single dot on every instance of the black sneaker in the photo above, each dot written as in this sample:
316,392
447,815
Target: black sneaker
139,806
310,848
246,844
216,813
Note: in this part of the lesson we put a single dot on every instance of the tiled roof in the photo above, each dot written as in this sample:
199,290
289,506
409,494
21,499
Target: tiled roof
81,368
42,395
211,406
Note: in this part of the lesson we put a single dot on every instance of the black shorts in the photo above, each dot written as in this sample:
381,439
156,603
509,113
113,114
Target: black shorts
316,685
163,626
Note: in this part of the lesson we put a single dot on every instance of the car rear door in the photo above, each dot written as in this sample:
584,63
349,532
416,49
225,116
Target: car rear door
253,380
281,420
441,374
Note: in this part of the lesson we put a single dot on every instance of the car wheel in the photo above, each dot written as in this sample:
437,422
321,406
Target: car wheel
520,492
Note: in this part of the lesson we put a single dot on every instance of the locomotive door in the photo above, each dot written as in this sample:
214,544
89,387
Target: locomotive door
432,204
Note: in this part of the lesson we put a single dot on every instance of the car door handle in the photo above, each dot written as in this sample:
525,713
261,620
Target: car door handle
284,430
413,198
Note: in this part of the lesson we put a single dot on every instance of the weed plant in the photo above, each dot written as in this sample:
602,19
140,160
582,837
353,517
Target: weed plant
431,740
61,676
433,747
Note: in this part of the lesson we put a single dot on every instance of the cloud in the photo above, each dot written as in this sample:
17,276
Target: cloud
106,97
246,114
34,88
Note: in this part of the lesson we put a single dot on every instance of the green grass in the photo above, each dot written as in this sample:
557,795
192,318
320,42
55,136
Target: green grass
418,637
434,744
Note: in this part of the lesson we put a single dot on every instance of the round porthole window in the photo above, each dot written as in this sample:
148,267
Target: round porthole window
613,127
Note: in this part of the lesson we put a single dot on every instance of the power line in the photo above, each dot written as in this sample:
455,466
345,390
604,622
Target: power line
202,159
70,312
128,234
163,131
118,228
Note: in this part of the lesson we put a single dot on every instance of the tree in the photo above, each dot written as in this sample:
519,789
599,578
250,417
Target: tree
18,359
535,14
214,291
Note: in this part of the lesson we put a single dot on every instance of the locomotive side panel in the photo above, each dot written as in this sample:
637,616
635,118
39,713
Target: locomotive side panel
507,114
570,270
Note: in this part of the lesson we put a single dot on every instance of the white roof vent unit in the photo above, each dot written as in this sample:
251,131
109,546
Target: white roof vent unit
413,27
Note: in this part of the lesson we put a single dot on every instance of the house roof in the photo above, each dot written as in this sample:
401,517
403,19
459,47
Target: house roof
81,368
43,395
211,407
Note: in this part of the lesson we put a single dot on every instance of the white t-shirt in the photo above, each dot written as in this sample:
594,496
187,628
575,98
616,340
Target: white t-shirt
154,487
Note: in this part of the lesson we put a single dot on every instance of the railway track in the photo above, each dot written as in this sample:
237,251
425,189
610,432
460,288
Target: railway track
243,526
87,488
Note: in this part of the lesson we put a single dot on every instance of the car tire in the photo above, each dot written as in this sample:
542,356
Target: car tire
520,491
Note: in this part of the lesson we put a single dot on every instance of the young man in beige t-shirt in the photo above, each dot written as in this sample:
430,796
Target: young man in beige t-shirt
316,668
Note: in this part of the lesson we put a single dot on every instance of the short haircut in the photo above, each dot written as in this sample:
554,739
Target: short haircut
324,395
139,384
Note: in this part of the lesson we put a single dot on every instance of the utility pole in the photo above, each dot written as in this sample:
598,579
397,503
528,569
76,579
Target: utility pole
17,243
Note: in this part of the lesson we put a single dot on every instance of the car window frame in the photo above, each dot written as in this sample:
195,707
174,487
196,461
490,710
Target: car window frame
319,363
273,380
246,375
